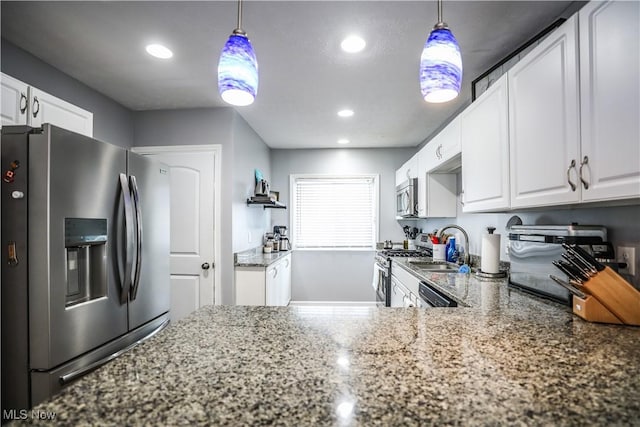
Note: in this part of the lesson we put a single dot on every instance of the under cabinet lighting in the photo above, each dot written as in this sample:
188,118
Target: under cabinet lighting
343,141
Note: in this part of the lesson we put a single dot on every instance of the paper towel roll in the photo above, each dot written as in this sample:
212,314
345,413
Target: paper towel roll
490,261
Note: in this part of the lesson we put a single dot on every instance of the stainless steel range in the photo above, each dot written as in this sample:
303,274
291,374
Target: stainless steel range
382,271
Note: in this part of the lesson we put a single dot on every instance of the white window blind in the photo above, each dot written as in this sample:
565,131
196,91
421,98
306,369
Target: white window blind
334,212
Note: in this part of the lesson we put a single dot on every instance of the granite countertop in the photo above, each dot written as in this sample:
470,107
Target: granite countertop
468,290
524,362
256,258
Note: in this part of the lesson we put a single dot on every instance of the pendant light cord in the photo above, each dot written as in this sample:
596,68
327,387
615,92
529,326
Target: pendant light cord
239,31
440,24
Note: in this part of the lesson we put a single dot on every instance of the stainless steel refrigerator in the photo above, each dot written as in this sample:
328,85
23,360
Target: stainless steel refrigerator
85,269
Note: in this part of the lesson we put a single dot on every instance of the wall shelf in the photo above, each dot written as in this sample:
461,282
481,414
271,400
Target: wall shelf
265,205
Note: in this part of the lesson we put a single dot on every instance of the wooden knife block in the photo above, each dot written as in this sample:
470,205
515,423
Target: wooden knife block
610,299
590,309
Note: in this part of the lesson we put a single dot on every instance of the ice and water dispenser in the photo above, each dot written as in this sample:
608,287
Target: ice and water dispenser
85,243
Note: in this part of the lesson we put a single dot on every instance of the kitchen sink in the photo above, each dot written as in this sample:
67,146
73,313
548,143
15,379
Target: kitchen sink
434,266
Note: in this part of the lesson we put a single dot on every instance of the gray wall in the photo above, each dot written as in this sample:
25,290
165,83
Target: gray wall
343,275
242,151
112,122
249,153
621,223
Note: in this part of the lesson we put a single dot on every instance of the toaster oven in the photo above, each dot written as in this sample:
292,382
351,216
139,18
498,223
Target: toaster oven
532,248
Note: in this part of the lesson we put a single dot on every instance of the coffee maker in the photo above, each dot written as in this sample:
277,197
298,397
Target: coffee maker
283,239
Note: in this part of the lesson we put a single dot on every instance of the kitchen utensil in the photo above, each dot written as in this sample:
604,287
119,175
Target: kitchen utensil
575,291
579,254
565,270
570,271
414,233
583,271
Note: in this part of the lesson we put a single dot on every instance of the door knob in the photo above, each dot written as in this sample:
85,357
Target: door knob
205,266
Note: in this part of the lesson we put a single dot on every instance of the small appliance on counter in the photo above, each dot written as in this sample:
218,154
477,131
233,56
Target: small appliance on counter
280,231
533,248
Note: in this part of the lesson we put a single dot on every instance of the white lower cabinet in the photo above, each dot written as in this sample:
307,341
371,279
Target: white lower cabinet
270,285
26,105
404,288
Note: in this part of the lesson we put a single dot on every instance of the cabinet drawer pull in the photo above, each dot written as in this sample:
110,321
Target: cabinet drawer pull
24,103
572,165
36,106
585,161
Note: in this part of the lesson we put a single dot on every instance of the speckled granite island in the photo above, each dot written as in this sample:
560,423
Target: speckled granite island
512,360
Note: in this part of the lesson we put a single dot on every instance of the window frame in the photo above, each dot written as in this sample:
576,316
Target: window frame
376,202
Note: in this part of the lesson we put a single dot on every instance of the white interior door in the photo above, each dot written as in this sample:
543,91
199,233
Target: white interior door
192,227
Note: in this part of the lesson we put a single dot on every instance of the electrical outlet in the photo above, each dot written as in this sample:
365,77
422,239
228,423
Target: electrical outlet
249,237
627,254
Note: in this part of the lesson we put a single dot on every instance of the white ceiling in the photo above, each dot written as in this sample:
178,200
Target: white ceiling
304,76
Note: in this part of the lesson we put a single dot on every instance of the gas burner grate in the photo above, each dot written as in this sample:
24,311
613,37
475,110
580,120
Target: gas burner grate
405,253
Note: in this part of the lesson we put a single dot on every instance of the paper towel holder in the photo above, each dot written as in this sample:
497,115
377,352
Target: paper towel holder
484,275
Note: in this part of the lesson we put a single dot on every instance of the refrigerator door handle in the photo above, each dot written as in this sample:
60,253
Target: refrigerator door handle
128,224
72,376
136,205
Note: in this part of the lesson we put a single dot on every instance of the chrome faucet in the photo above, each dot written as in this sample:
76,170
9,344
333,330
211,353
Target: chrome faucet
466,240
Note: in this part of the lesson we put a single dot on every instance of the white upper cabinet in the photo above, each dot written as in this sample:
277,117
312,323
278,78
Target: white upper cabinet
610,96
544,122
484,132
436,192
408,170
444,147
15,101
46,108
26,105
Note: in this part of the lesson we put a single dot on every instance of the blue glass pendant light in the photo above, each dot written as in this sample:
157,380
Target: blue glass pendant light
238,68
440,64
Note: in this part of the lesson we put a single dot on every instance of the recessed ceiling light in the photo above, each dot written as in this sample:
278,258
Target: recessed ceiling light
159,51
343,141
345,113
353,44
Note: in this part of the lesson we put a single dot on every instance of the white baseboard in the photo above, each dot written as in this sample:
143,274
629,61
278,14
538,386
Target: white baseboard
334,303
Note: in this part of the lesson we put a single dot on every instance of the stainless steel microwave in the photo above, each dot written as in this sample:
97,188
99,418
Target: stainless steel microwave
407,199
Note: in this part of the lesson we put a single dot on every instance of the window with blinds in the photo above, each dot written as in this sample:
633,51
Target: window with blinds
334,212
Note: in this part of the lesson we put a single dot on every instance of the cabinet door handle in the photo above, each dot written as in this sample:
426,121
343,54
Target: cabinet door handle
572,165
275,272
408,174
462,197
24,103
36,106
287,263
585,161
